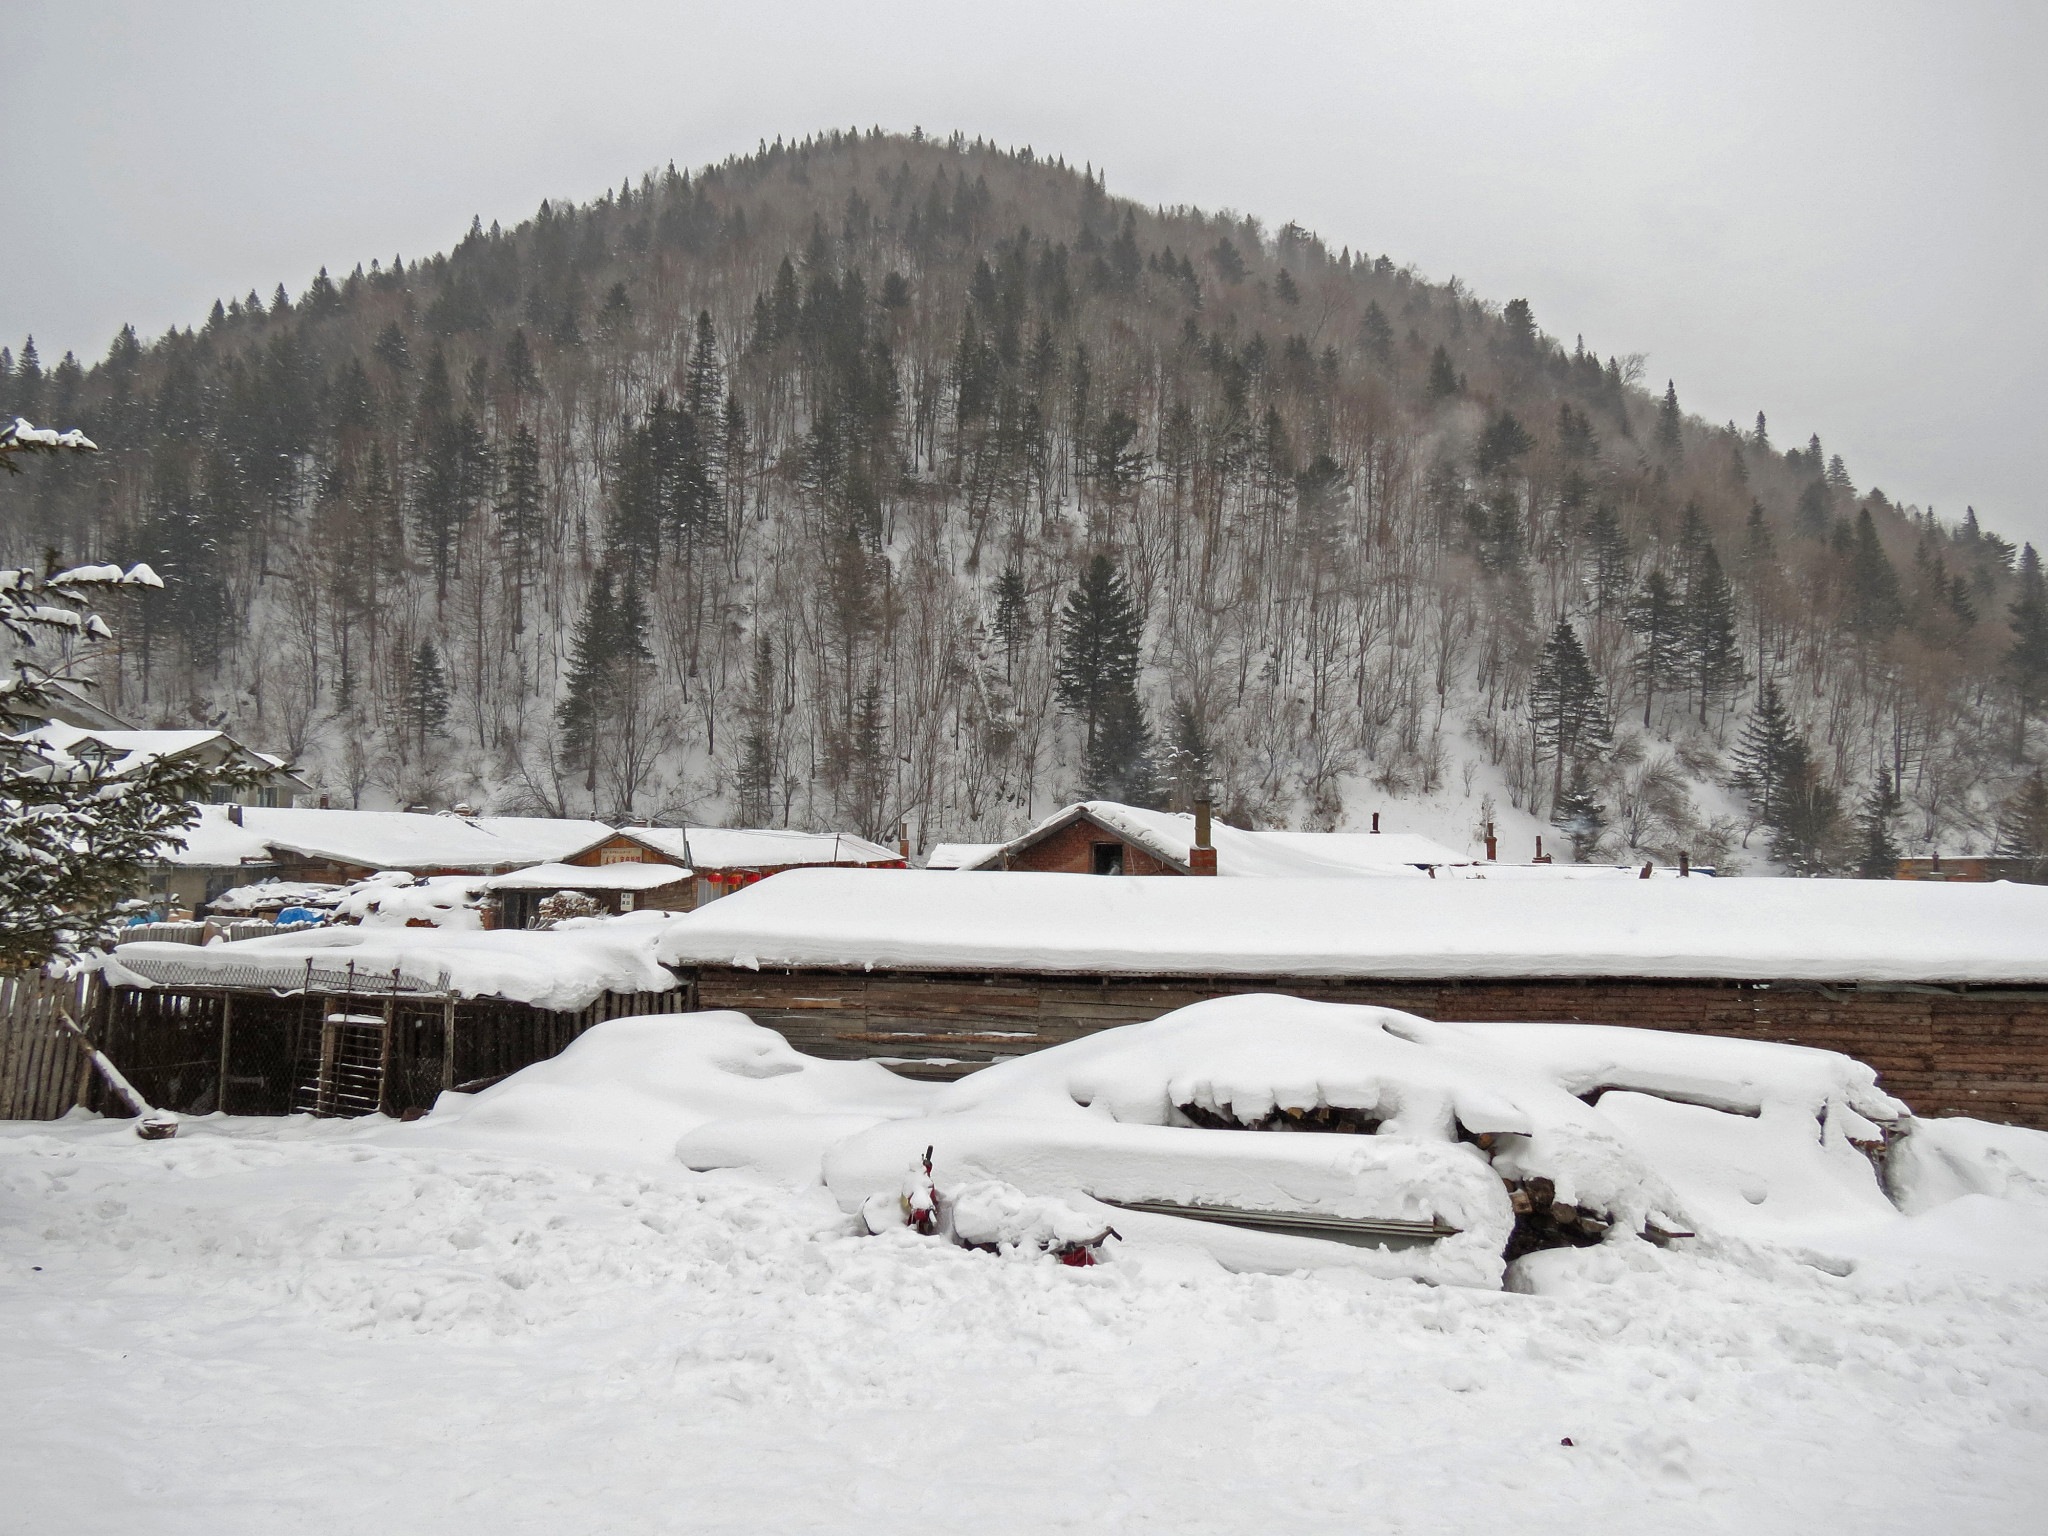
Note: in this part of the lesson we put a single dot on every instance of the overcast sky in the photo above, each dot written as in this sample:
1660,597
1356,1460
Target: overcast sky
1832,213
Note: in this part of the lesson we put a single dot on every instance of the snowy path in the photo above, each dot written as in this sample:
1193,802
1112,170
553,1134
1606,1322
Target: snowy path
275,1326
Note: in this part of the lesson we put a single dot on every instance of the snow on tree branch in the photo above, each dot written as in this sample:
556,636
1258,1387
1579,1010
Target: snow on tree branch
19,436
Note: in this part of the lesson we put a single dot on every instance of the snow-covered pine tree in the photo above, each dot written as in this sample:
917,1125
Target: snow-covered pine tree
1100,630
1566,704
76,828
1764,752
1011,619
1713,653
1657,614
423,707
1807,816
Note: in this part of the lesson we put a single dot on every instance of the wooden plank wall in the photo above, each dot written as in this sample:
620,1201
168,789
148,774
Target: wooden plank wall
1944,1050
41,1068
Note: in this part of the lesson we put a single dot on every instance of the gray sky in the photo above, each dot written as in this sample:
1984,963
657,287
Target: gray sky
1832,213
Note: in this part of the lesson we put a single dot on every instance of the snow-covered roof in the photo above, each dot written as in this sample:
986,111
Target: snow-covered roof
959,855
566,968
758,847
386,839
133,748
1304,855
1816,930
587,877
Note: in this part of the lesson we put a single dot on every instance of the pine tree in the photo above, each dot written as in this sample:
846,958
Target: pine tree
1608,557
1504,440
754,777
1808,813
1657,615
1813,515
1875,605
580,715
521,520
1100,630
77,827
1118,764
1579,815
704,384
423,708
2026,662
520,375
1670,423
392,350
1443,378
1712,653
1764,752
1011,621
1880,857
1376,333
2023,831
1565,705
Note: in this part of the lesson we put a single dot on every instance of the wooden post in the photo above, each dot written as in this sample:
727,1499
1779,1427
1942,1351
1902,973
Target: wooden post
447,1044
227,1034
150,1124
384,1059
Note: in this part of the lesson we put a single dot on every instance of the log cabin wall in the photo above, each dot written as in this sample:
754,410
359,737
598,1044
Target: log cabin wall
1980,1051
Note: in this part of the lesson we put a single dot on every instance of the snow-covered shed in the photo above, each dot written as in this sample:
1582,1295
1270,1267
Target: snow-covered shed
1944,988
617,887
1103,837
350,1020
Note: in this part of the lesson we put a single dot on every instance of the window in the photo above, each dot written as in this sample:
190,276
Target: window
269,798
1109,859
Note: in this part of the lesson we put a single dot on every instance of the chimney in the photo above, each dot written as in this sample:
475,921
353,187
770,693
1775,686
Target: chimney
1492,844
903,840
323,802
1202,857
235,815
1541,856
1684,863
1375,821
1646,871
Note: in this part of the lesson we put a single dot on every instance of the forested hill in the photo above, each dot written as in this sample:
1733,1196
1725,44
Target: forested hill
874,479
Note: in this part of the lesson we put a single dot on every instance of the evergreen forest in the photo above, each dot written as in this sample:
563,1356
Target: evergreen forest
874,481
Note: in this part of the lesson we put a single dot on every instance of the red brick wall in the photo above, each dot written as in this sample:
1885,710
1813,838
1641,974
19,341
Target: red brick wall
1071,851
1944,1050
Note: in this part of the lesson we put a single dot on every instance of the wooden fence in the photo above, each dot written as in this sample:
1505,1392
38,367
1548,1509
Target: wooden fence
43,1073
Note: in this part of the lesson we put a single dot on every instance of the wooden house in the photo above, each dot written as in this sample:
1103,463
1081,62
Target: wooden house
726,859
1944,990
1102,837
238,845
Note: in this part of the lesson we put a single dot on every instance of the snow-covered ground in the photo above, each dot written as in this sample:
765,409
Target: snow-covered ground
471,1324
